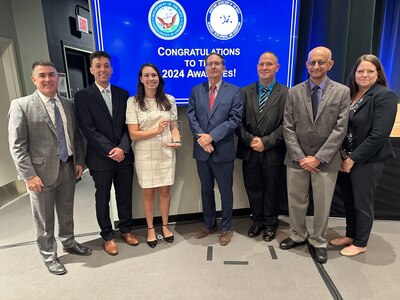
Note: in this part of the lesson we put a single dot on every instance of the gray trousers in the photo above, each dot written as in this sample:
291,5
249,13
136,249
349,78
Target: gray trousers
60,196
323,186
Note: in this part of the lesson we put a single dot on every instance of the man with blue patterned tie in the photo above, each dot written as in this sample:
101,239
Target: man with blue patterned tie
261,147
47,149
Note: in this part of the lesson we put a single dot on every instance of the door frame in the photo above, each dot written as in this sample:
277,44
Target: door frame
65,47
15,188
8,56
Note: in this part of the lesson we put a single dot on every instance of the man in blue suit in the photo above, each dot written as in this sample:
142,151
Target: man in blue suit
214,112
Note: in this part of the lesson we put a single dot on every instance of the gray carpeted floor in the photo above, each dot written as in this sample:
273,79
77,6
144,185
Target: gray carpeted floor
193,269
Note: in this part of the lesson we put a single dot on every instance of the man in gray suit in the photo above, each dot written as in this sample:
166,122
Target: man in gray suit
314,126
47,150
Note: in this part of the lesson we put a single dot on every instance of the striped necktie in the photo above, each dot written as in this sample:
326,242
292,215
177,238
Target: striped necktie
263,98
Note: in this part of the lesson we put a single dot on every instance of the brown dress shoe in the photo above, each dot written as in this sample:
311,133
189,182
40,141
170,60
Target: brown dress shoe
203,232
129,238
111,247
342,241
225,238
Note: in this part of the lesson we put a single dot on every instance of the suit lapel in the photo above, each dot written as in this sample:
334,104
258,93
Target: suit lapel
99,98
42,111
368,95
220,95
306,96
205,96
326,95
273,96
68,115
364,101
115,103
254,100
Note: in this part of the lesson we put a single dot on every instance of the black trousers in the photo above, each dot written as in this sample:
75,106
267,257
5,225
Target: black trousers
265,187
358,190
122,177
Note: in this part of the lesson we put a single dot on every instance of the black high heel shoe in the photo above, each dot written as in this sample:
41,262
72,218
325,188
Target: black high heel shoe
169,239
152,243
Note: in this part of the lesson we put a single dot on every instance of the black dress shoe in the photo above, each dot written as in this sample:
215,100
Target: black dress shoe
268,235
152,244
56,267
288,243
321,255
168,239
255,230
79,249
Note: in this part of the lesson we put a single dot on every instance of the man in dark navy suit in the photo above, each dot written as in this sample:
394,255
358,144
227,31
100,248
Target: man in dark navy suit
214,112
101,110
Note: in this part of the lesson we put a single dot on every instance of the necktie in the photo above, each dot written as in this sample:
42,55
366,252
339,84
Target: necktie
62,143
263,98
107,100
212,96
315,100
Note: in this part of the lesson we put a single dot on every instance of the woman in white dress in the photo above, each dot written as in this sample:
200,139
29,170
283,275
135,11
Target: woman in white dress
151,116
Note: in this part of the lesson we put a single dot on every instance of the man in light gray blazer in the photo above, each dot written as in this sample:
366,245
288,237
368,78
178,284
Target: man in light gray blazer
49,170
314,126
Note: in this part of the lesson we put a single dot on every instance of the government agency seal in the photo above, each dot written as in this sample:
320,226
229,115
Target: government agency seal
167,19
224,19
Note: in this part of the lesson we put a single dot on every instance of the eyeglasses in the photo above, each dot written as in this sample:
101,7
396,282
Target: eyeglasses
215,63
320,63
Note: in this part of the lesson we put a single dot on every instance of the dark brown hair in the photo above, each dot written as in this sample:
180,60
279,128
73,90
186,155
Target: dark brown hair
99,54
161,99
217,54
351,81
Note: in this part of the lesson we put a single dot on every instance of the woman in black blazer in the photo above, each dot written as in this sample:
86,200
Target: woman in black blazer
366,146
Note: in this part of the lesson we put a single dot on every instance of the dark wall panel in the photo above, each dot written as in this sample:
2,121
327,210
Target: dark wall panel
60,28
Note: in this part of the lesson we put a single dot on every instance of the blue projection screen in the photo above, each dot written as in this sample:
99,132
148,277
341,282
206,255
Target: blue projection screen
177,35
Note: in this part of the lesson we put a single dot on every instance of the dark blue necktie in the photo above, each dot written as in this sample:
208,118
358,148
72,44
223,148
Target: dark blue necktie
315,100
62,143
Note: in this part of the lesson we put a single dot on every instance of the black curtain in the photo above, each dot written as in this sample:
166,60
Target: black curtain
349,28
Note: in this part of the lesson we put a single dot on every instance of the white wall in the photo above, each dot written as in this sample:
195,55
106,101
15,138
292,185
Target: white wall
22,40
31,37
7,173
